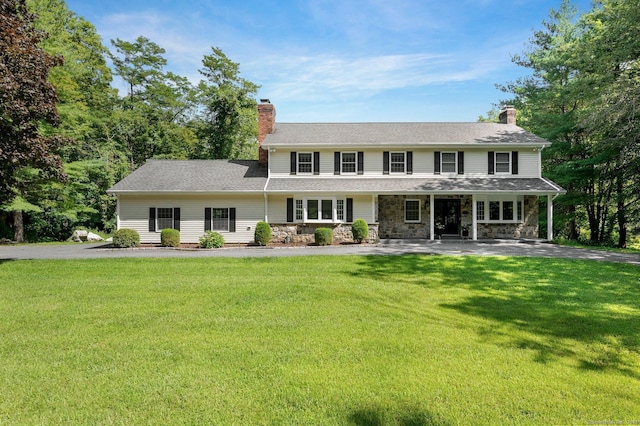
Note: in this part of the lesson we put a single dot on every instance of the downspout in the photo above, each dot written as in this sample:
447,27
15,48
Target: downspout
266,184
118,211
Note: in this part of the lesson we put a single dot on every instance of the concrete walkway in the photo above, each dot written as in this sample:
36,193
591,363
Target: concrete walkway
529,248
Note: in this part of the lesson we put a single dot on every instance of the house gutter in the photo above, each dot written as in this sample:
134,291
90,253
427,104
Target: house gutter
266,185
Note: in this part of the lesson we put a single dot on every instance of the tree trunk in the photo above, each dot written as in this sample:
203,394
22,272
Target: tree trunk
622,217
574,230
18,227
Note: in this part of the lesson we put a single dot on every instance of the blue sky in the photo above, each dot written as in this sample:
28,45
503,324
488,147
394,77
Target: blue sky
343,60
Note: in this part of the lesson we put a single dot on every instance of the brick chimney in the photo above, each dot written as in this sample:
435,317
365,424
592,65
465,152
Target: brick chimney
507,115
266,122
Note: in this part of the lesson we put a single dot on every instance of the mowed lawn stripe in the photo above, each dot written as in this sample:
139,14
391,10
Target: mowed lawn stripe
319,340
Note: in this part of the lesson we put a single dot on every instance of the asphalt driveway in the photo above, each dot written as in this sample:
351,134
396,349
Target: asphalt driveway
526,248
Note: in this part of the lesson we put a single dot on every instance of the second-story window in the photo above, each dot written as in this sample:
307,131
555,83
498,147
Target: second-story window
305,162
503,162
448,162
348,162
397,162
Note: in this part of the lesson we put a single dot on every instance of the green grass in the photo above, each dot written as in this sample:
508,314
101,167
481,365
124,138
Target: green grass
633,246
362,340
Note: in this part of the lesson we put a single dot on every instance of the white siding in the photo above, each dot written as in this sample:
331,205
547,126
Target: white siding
279,162
475,162
134,213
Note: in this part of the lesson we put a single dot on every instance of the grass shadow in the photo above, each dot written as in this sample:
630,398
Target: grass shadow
378,417
555,307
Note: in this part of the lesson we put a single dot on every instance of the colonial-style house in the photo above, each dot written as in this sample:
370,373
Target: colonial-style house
407,180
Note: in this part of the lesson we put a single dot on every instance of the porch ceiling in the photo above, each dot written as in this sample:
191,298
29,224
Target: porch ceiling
414,185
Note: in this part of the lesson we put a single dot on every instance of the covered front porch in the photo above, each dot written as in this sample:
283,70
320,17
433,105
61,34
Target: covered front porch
472,216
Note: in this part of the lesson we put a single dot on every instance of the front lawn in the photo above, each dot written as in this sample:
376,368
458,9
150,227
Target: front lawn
361,340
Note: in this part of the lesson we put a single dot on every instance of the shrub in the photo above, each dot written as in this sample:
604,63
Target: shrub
360,230
211,239
262,236
126,238
324,236
170,237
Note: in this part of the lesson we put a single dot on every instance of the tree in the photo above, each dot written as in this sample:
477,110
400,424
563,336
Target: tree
27,100
613,47
553,103
152,121
583,95
83,82
228,129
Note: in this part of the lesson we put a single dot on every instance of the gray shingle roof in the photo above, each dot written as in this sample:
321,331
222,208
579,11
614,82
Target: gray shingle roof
408,185
383,134
195,176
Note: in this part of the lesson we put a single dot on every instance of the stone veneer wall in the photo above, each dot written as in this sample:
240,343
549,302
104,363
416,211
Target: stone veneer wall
391,217
392,225
298,233
527,229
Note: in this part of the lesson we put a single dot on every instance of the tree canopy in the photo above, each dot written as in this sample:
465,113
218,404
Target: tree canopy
581,94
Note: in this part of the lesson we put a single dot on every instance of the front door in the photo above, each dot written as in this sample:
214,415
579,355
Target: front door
447,216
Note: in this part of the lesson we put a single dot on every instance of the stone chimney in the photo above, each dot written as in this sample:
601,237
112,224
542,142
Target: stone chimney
507,115
266,122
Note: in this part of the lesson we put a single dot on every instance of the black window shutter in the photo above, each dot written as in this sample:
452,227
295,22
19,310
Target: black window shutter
360,162
514,163
336,163
289,209
436,163
232,219
152,219
460,162
207,219
491,164
385,162
316,163
349,209
409,162
294,162
176,218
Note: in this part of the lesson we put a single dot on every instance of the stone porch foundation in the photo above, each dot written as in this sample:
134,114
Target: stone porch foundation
298,233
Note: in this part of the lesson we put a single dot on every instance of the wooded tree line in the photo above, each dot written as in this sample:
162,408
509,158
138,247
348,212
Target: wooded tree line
583,94
67,135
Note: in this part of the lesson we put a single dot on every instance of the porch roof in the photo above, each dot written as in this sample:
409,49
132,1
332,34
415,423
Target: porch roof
415,185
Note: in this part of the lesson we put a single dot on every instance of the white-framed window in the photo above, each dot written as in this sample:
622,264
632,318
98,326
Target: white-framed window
448,162
519,217
348,162
305,163
503,162
164,218
412,211
219,219
397,162
299,210
320,210
507,209
480,210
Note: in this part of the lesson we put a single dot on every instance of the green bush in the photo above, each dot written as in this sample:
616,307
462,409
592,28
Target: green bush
211,239
360,230
324,236
262,236
170,237
126,238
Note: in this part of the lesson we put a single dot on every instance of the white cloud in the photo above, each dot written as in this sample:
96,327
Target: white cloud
327,77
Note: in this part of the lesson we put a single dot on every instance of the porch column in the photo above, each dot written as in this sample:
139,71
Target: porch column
432,204
474,218
549,217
